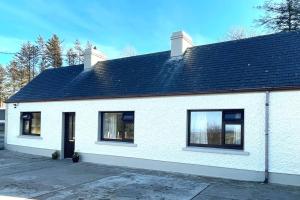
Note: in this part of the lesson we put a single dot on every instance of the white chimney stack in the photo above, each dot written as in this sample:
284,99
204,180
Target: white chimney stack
91,57
180,41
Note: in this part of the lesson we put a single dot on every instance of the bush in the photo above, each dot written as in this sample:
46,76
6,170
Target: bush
55,155
75,157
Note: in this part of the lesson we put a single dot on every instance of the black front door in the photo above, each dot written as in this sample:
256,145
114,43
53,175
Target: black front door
69,134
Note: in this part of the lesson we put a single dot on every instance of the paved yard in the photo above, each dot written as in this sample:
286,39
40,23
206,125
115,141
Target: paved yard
27,176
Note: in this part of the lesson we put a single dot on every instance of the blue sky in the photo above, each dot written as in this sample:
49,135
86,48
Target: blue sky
116,24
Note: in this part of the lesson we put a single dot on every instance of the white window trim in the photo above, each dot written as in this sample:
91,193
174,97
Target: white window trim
112,143
216,150
30,137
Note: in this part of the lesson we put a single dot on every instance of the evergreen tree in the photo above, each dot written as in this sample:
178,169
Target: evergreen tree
54,52
280,16
42,51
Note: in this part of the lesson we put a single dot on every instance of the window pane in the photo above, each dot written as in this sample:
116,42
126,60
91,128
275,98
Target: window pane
26,124
71,127
118,127
233,116
128,117
128,134
110,126
31,123
2,127
233,133
36,124
206,128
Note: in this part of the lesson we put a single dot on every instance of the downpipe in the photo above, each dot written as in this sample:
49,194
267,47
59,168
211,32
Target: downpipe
267,119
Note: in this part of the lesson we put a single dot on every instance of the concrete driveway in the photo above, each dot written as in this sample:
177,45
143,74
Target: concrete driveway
27,176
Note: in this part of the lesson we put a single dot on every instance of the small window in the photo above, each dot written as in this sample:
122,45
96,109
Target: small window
117,126
233,133
31,123
220,129
232,116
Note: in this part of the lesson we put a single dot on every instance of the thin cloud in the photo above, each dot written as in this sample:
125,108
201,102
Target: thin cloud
10,44
24,15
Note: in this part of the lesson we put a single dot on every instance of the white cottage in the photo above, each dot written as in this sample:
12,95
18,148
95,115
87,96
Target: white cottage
229,109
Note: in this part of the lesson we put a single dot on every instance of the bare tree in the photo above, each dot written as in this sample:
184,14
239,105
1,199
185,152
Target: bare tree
3,92
71,57
238,33
75,54
88,45
128,51
14,77
79,52
27,59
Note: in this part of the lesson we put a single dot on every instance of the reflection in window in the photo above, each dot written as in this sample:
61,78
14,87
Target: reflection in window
31,123
233,133
232,116
118,126
206,127
222,128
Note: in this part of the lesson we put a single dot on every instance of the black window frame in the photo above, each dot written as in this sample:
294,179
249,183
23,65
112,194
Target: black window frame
30,124
101,114
224,122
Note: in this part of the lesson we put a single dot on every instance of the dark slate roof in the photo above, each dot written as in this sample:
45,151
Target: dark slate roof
260,63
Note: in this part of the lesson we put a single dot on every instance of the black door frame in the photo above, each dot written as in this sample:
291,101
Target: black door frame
64,152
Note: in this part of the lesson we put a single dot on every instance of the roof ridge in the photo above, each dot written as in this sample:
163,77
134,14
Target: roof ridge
245,39
136,56
63,67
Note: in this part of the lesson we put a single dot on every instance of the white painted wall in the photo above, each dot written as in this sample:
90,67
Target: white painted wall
51,126
160,127
285,132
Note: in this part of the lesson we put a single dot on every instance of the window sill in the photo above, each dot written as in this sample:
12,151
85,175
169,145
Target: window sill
216,150
111,143
30,137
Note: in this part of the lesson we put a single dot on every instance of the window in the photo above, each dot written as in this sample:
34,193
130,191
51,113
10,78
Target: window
117,126
216,128
31,123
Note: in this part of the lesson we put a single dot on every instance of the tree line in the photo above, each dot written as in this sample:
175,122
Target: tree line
33,58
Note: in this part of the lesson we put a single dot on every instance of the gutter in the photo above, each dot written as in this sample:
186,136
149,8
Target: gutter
152,95
267,125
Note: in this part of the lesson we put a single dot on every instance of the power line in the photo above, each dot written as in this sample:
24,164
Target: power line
12,53
3,52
